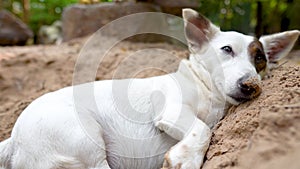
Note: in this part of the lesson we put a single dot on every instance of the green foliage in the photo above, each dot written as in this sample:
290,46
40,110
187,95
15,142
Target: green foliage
45,12
280,15
241,15
42,12
230,14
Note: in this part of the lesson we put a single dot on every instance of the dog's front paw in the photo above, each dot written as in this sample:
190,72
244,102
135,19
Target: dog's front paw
168,163
181,158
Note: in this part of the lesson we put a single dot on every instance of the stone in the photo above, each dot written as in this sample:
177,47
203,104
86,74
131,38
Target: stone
12,30
175,6
82,20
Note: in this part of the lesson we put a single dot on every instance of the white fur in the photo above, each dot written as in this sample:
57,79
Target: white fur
132,123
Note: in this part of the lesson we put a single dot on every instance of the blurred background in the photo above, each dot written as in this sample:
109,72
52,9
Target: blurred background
48,21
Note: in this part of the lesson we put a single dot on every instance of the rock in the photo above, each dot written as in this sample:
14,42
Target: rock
81,20
12,30
175,6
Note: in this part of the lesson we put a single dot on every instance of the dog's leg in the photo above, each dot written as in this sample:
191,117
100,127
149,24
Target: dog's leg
194,136
189,152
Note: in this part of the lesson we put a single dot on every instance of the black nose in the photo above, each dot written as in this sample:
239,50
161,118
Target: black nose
246,89
249,86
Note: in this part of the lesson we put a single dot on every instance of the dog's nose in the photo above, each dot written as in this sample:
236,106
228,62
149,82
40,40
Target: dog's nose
249,86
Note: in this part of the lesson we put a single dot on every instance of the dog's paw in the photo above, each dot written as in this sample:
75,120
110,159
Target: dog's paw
168,164
180,157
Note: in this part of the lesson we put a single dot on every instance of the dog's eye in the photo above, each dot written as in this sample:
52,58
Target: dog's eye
260,62
227,49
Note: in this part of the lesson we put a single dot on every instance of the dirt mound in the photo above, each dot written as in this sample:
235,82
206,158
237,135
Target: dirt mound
263,133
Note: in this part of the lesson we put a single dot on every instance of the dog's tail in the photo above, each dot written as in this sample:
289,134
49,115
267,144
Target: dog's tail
5,154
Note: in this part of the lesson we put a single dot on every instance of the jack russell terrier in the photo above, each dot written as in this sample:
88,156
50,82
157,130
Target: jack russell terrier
162,121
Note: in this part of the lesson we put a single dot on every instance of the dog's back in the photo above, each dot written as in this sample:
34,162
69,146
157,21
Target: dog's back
5,154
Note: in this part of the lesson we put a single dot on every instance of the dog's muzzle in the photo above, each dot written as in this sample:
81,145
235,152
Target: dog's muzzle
248,88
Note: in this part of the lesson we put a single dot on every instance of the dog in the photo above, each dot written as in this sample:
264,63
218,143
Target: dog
162,121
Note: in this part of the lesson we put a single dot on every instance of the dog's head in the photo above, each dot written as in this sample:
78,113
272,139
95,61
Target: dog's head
243,59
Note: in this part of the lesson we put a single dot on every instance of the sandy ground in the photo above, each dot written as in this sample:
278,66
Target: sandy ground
261,134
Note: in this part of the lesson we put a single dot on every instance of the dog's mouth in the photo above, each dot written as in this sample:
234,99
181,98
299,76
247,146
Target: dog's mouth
240,98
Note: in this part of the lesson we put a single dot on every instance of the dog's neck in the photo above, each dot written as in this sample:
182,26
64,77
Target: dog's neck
212,103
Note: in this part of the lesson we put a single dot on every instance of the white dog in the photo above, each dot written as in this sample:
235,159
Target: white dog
132,123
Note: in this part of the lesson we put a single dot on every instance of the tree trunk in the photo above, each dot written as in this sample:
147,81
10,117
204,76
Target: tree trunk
258,27
26,10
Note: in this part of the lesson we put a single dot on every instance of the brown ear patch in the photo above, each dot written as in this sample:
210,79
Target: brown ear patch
257,55
276,48
196,29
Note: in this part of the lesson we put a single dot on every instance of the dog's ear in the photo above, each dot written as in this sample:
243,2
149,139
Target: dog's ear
277,46
198,29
